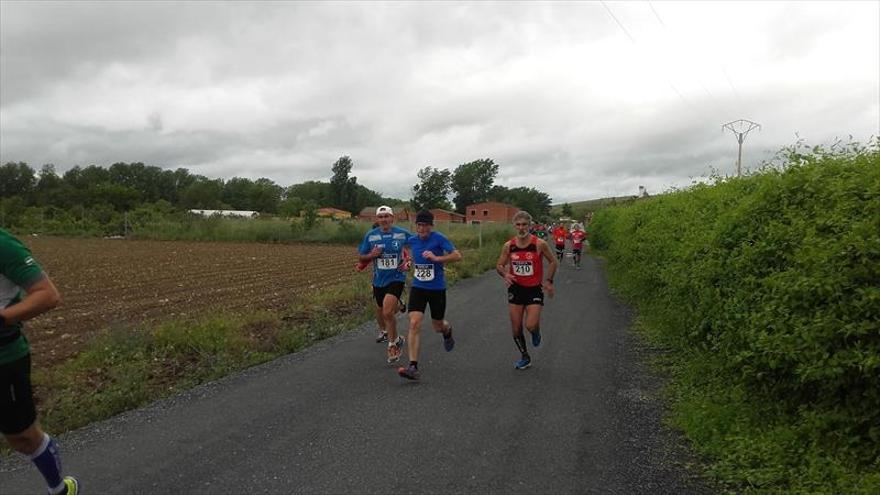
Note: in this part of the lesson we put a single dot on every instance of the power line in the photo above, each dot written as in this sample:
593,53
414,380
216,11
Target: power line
620,24
656,14
716,103
633,40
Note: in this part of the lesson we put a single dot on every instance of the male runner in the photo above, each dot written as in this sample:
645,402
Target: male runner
559,235
430,252
577,243
18,415
383,246
521,265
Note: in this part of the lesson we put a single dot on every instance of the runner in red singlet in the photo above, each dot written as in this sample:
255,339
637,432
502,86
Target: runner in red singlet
577,243
560,233
521,264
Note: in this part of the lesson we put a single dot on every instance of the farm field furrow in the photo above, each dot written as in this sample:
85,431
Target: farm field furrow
121,284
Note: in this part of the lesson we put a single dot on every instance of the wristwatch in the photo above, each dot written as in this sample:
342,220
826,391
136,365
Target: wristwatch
550,280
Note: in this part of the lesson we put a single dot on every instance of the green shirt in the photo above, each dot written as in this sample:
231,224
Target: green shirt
18,270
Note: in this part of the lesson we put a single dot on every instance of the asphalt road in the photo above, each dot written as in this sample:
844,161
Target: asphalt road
336,418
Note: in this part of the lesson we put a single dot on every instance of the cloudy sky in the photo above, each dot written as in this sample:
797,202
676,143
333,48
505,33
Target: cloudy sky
578,99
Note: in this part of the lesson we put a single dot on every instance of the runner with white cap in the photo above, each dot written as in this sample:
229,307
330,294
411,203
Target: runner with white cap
383,247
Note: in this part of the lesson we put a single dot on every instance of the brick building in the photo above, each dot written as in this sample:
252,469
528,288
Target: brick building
447,216
490,211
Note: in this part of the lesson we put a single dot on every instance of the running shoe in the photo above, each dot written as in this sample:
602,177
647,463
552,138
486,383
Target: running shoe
523,363
536,338
71,485
382,337
448,340
410,372
395,349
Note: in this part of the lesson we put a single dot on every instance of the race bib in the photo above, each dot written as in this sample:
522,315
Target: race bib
424,273
386,262
522,268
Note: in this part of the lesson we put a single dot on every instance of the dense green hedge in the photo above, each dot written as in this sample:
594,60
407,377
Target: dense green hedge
766,290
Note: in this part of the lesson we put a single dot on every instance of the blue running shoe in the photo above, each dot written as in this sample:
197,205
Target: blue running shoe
523,363
448,340
410,372
536,338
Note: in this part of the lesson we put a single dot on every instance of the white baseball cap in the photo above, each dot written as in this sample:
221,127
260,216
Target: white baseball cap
384,209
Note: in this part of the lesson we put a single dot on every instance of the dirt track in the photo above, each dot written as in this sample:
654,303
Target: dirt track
120,284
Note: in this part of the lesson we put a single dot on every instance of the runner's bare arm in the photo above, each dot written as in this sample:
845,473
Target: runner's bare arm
503,260
446,258
42,296
373,254
551,269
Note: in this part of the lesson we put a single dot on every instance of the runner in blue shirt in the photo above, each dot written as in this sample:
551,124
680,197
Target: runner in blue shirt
383,246
430,252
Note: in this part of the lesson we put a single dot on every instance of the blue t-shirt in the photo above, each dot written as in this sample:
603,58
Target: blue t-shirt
427,274
385,266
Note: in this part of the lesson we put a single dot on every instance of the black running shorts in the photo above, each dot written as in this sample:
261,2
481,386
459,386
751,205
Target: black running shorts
560,248
524,296
419,299
394,288
17,411
576,250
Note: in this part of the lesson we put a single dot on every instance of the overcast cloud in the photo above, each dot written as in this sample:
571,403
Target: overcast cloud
580,100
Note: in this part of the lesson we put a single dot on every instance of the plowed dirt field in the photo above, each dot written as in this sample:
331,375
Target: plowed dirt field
119,284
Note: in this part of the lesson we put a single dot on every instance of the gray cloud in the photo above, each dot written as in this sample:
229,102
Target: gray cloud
553,92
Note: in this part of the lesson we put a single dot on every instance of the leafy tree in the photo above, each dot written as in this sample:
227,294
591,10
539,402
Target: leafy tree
237,192
118,196
291,206
433,189
203,194
11,210
265,195
16,179
50,189
310,215
566,210
81,179
472,182
315,191
342,186
535,202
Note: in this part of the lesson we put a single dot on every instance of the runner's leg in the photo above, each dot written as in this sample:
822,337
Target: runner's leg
516,324
389,315
533,318
415,324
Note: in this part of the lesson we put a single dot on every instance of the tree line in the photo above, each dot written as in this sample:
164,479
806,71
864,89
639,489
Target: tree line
104,192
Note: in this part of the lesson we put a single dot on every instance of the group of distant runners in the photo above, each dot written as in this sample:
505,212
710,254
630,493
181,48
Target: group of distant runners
559,233
394,251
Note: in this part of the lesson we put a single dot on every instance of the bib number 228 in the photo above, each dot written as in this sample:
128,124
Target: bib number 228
424,273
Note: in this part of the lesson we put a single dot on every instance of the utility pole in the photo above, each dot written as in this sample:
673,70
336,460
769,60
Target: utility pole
740,127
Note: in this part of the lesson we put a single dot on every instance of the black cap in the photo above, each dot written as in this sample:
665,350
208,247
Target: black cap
425,217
